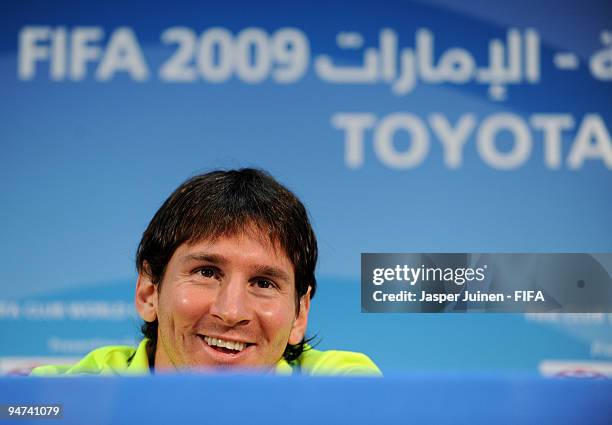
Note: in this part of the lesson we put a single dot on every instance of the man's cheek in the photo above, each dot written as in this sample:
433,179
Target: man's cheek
190,304
277,323
278,309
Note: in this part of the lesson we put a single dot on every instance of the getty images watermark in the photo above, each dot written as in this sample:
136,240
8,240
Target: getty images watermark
467,282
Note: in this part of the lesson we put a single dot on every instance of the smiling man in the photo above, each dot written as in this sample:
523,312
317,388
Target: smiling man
226,273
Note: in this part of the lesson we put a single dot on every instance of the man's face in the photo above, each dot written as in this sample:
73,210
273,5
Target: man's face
225,302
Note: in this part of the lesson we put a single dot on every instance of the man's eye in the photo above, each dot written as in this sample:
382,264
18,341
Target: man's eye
208,272
264,284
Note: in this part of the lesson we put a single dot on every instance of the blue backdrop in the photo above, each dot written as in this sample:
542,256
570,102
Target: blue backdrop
404,126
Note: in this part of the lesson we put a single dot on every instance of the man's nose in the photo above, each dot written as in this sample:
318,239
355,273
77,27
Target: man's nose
231,304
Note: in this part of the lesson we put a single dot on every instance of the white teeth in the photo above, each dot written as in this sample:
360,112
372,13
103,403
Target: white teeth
232,345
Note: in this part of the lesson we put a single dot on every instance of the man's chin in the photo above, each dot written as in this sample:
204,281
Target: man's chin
230,369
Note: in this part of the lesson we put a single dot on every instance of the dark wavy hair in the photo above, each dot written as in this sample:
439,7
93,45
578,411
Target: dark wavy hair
225,203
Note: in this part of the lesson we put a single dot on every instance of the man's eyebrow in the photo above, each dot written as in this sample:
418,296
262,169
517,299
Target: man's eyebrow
273,272
203,256
264,270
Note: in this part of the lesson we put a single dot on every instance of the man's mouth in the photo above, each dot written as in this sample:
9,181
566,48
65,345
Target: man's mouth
223,345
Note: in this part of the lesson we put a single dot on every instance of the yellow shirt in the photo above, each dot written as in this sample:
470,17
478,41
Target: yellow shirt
125,360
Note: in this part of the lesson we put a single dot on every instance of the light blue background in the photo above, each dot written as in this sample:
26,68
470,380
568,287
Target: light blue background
84,166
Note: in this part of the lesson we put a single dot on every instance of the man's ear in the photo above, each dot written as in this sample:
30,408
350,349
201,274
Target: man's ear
298,330
146,297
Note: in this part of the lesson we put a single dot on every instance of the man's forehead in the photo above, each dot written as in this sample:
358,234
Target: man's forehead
213,248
